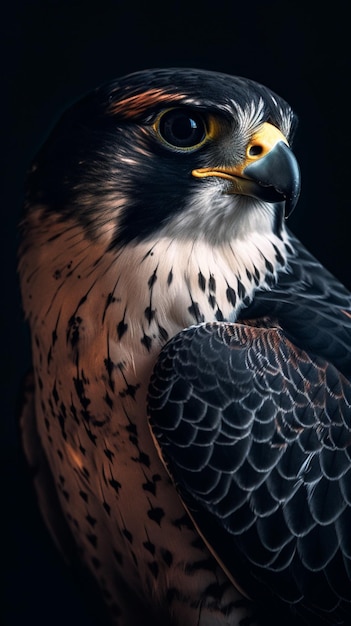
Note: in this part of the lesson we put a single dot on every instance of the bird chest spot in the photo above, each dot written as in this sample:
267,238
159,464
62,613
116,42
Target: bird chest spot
150,547
201,281
143,458
195,312
83,495
79,385
109,454
115,484
91,520
122,328
149,314
146,341
74,329
212,283
152,279
169,278
129,390
150,485
156,514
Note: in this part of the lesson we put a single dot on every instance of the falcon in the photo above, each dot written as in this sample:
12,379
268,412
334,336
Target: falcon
188,413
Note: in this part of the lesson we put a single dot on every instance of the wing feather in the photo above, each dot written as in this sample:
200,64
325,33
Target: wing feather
259,449
312,306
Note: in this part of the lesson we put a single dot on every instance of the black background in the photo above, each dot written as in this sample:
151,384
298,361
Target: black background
53,52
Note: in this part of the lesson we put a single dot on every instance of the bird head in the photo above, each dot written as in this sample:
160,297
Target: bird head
177,152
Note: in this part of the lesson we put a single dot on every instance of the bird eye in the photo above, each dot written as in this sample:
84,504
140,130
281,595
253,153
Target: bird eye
181,129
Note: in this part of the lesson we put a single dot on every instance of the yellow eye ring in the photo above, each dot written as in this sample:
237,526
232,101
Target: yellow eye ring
182,129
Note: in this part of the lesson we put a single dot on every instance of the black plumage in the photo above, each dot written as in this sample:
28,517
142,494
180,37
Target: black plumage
256,434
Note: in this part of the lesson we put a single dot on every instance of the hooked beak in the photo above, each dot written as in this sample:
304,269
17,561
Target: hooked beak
268,172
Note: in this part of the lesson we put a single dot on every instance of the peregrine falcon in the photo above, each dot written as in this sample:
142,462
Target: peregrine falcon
189,407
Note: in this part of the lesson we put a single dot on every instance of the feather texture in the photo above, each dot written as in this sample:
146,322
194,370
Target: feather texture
153,244
256,433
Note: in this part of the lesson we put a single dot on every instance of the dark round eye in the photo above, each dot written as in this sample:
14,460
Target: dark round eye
181,128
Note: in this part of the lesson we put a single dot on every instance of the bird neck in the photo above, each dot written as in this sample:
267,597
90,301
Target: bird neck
166,285
142,294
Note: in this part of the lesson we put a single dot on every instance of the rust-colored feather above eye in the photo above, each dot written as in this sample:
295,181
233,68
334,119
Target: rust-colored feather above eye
135,105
